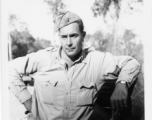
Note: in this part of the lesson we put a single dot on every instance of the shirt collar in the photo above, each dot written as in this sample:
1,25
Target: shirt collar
58,52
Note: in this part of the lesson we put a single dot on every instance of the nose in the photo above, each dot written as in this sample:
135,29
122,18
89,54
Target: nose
69,42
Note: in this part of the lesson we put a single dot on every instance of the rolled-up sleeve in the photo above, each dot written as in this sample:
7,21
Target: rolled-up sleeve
17,68
120,68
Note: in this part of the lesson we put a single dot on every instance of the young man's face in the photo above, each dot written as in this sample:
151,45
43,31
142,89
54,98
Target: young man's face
71,39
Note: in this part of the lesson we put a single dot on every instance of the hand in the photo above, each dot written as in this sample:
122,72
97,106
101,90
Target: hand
28,104
119,100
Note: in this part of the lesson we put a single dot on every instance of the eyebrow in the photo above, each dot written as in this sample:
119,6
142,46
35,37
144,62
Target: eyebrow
71,35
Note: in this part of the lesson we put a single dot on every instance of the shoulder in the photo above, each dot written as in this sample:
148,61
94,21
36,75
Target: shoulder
93,54
47,50
39,55
44,56
51,48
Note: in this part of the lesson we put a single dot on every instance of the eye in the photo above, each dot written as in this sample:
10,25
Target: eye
74,35
63,36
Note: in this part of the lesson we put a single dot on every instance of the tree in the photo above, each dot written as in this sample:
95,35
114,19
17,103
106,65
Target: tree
101,7
24,43
114,8
21,42
124,45
41,44
55,6
19,37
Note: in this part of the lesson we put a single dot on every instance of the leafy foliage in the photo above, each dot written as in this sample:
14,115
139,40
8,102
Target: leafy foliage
55,6
23,43
118,45
125,45
101,7
40,44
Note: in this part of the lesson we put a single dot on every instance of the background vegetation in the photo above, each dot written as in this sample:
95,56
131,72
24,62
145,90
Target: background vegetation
118,41
126,43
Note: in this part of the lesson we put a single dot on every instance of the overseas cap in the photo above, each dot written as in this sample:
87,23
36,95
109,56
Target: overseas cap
65,18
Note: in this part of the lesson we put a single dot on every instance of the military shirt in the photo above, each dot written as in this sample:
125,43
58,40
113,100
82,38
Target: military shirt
62,93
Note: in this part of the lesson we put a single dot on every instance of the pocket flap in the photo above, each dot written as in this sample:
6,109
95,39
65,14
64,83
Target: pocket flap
45,79
19,83
88,85
54,83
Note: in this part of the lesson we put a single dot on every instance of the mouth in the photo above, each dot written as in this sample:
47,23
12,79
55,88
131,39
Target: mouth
70,49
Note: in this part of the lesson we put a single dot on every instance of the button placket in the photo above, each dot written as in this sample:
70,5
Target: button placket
67,96
69,73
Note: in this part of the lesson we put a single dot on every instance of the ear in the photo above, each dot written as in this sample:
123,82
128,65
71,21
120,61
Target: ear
84,34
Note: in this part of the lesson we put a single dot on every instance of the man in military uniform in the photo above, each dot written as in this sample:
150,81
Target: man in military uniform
67,79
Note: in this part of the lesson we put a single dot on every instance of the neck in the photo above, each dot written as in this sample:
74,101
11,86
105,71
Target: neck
74,58
70,60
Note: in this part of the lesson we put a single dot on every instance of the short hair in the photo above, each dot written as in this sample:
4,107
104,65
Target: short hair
81,26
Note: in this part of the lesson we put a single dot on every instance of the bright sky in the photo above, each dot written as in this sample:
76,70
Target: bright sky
35,13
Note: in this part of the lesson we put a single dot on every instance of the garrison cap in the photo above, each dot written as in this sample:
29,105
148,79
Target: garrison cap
65,18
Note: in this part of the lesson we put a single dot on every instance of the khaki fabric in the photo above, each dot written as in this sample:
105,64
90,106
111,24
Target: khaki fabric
65,18
68,94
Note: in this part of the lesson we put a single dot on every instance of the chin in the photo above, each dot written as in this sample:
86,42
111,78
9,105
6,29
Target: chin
71,54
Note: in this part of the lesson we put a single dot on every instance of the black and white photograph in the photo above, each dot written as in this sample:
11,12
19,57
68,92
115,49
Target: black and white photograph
75,60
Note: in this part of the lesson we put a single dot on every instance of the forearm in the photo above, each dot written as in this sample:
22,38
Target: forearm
120,68
130,69
17,68
20,92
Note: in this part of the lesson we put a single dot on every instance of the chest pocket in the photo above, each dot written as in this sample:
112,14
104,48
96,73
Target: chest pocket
49,92
85,93
50,87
